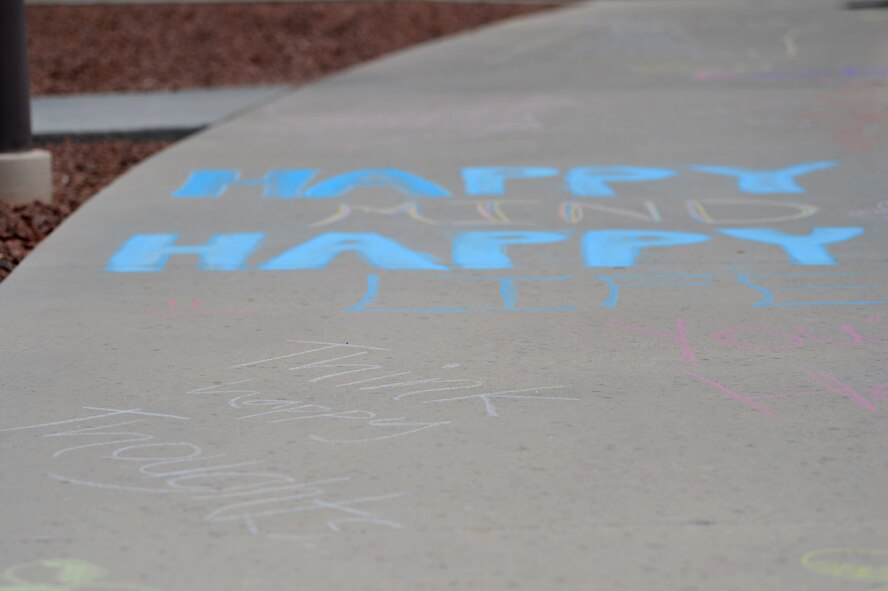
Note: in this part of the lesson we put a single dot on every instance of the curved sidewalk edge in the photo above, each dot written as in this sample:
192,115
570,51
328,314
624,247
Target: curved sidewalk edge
588,300
136,115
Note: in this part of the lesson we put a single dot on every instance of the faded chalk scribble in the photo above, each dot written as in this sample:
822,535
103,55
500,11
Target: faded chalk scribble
386,124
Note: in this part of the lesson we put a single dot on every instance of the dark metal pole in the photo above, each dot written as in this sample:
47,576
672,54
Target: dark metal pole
15,105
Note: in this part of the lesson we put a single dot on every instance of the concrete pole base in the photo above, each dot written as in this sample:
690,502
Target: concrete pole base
26,177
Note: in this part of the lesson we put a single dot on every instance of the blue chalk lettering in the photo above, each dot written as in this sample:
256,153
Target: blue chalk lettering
761,182
375,249
492,180
593,181
507,287
802,250
620,248
370,296
405,182
149,252
487,250
614,296
509,294
768,295
277,184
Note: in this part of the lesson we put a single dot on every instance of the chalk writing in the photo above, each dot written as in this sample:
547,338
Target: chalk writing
863,565
771,338
459,293
678,337
426,119
701,210
264,502
573,212
789,75
633,38
506,287
824,383
800,289
853,114
582,181
398,390
489,212
761,338
500,212
617,283
470,250
61,574
277,410
432,203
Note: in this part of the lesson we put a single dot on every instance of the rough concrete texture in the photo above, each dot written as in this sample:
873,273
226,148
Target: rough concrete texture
592,300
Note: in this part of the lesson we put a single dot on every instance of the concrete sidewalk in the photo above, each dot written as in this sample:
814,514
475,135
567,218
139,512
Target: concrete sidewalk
591,300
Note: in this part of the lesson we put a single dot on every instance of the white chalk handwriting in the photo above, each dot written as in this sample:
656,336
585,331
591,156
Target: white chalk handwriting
334,354
262,500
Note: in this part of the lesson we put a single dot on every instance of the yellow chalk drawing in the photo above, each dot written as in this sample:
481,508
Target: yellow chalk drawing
574,211
411,208
698,211
60,575
853,564
492,211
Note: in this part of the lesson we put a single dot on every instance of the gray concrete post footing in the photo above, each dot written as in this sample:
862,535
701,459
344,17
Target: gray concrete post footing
26,177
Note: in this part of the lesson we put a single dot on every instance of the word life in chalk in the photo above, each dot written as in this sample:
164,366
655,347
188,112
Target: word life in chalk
464,292
482,250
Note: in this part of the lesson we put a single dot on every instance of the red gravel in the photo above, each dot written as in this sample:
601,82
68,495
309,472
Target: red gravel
79,171
152,47
140,47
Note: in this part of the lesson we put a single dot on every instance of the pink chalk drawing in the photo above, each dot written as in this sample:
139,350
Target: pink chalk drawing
783,340
880,392
679,337
747,401
771,338
825,383
757,338
856,116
